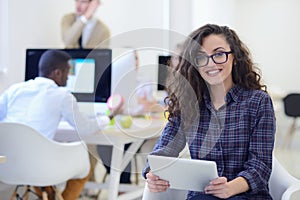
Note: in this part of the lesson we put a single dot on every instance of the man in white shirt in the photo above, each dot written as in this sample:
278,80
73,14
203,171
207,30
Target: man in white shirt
42,103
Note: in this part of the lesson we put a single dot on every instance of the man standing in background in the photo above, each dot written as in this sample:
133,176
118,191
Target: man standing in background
82,30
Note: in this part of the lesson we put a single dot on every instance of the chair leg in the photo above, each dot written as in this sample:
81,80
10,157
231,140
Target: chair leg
44,194
26,195
15,194
289,135
136,170
103,180
57,193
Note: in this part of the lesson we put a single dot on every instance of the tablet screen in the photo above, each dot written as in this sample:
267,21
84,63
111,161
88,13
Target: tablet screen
182,173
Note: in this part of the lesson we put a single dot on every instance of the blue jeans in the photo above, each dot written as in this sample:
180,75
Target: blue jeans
210,197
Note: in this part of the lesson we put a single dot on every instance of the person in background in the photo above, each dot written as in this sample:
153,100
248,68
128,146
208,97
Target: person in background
82,30
105,152
223,113
147,103
176,55
42,102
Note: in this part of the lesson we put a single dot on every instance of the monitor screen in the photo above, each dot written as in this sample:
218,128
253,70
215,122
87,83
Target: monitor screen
163,63
79,80
90,74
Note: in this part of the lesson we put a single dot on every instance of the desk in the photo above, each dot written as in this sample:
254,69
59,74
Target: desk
117,137
2,159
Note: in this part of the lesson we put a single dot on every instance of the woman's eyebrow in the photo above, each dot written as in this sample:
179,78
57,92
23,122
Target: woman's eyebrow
219,48
201,51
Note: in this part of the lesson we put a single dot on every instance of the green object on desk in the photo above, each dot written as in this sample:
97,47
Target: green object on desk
112,121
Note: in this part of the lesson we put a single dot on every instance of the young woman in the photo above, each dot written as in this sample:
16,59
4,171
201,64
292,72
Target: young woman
218,107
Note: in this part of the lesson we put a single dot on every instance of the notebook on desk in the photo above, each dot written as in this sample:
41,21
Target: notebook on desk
182,173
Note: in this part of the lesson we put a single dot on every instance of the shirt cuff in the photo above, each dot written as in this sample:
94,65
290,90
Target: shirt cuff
146,170
103,121
83,19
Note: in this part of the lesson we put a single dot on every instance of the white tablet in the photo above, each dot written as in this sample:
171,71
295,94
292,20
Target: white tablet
183,174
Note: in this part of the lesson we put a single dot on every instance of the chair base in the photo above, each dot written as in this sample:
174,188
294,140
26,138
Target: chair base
43,193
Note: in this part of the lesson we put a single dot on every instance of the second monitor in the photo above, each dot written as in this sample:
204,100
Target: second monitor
163,65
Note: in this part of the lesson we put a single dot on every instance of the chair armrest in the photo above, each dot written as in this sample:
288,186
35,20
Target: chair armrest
292,193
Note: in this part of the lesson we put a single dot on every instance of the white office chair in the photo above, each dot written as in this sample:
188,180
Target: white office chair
291,109
283,186
34,160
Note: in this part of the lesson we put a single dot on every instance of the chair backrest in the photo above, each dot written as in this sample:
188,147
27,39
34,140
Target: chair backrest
280,180
32,159
292,105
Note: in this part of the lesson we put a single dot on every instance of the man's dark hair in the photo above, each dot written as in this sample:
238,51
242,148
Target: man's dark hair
52,60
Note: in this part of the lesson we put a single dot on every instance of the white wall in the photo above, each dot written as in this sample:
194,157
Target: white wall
31,24
3,36
270,28
36,24
213,11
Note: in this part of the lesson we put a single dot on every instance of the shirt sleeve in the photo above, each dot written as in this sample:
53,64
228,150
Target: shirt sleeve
71,30
259,165
171,142
3,106
83,124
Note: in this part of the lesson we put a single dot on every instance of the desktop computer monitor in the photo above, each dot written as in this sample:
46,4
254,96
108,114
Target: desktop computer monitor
89,77
163,64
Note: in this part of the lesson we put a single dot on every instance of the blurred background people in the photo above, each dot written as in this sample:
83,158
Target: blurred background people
176,54
82,29
42,102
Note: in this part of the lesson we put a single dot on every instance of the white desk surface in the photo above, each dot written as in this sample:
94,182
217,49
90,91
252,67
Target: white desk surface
2,159
141,129
117,137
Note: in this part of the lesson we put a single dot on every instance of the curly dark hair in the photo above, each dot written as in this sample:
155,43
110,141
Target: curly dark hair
185,85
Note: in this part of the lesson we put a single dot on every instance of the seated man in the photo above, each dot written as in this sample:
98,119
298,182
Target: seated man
41,103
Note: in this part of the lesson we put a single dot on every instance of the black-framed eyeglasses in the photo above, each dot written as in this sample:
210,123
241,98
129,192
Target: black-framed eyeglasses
221,57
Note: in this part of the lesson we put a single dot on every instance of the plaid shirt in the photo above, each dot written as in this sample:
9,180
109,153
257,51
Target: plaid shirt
239,137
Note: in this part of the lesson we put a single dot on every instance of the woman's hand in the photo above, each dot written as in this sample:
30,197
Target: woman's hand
117,110
155,184
150,106
220,188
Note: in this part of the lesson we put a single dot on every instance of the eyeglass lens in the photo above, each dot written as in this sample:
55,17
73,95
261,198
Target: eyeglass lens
218,58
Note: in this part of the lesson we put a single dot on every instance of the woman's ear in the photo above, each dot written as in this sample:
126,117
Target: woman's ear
234,62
